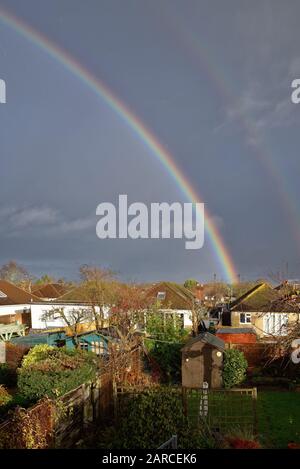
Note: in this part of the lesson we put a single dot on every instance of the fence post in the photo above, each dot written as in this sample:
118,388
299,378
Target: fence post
254,400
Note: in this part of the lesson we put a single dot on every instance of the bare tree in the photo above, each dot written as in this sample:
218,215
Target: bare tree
99,290
17,274
72,319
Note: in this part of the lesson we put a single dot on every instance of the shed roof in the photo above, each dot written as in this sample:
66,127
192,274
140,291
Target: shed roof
30,340
235,330
208,338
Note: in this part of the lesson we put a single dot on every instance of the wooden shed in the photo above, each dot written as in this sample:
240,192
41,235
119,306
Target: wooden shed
202,361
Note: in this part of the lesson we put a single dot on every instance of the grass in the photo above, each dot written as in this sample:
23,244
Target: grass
278,418
278,415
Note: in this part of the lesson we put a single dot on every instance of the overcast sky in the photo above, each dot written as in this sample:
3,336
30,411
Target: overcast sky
210,79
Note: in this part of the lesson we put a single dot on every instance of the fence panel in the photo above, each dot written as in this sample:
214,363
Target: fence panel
222,409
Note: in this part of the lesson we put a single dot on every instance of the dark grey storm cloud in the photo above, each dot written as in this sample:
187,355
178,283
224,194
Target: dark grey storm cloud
211,79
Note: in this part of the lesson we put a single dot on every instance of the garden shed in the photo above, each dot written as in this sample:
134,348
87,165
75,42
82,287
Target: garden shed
202,361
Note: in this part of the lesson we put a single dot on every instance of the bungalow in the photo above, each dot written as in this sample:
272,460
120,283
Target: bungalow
174,299
15,304
21,307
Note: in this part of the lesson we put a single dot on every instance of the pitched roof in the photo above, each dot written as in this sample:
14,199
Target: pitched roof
260,298
50,290
208,338
10,294
77,294
177,296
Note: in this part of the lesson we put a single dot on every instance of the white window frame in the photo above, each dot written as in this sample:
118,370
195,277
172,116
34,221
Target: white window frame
247,318
98,347
161,293
84,346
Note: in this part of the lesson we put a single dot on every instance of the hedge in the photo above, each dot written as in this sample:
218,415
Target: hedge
148,418
52,372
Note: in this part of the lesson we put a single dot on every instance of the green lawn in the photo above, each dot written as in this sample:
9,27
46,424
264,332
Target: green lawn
278,418
278,415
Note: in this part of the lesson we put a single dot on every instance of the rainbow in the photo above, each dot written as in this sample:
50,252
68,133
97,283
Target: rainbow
134,123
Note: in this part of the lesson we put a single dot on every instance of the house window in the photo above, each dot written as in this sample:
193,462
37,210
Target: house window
2,295
83,346
245,318
98,347
161,295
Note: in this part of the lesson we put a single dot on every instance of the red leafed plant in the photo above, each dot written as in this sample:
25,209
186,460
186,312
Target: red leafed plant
239,443
293,445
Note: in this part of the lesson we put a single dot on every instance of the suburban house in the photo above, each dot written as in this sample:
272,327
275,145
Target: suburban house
15,304
174,299
264,309
20,307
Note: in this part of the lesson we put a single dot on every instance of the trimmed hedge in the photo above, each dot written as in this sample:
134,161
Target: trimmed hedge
52,372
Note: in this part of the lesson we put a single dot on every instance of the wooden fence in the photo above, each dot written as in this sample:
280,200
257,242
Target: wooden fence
60,423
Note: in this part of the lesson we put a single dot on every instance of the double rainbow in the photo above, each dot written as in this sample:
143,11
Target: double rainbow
134,123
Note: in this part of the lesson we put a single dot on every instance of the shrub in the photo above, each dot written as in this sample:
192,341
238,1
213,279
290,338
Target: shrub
37,354
148,419
8,375
235,366
5,397
52,372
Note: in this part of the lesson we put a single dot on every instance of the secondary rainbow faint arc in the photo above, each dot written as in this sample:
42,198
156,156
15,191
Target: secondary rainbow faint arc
134,123
195,48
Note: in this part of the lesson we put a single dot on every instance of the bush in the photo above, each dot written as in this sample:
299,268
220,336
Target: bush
148,419
52,372
5,397
8,375
235,366
37,354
